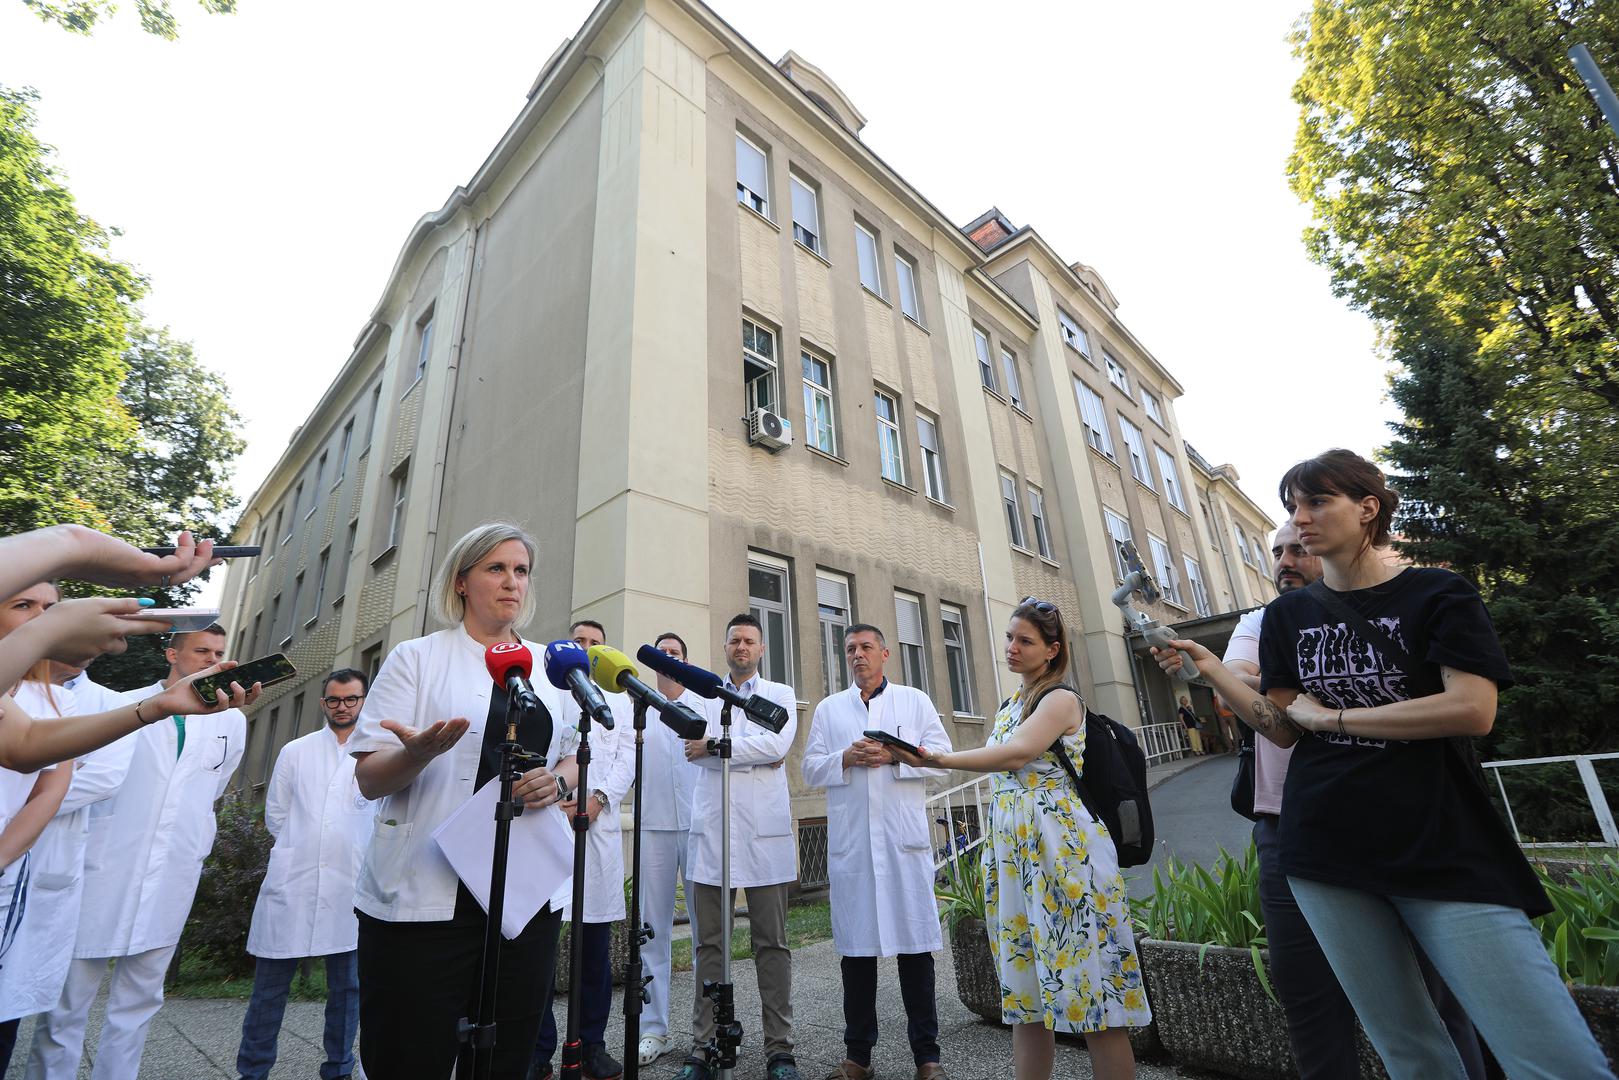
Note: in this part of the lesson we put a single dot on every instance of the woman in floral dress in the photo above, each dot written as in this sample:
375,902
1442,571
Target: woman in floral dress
1059,921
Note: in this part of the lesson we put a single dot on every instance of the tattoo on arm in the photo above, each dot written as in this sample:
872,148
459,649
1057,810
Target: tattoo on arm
1268,718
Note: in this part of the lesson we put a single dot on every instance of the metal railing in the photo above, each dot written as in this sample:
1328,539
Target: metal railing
812,854
1163,742
956,818
1584,766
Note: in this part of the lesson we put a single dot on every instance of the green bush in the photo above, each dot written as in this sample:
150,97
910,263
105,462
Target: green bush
1194,905
1582,932
960,887
215,936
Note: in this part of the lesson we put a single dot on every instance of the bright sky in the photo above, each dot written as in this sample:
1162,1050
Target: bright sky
265,169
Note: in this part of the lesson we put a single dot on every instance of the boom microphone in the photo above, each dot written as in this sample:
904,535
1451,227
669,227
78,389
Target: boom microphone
706,684
509,664
613,671
568,668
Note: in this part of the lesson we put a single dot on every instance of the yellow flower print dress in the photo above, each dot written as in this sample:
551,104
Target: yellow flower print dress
1059,920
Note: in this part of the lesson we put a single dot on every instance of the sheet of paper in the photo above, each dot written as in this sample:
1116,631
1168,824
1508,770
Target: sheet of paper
538,865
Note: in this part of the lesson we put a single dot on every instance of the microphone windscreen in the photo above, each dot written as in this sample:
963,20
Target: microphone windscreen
562,657
705,684
503,657
608,665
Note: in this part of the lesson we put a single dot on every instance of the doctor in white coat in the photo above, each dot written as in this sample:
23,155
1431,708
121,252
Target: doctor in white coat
880,854
764,853
321,824
141,868
667,783
612,771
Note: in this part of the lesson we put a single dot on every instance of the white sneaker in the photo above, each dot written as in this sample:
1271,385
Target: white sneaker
652,1048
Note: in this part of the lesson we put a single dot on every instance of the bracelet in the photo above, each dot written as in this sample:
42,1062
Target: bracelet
1341,730
138,717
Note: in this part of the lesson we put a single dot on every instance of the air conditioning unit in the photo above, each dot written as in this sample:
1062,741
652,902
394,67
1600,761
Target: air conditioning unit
766,428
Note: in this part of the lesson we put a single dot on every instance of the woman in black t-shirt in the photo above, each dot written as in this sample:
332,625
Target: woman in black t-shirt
1379,675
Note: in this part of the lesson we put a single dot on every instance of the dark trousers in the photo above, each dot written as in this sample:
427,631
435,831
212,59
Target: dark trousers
595,994
860,1006
418,979
1320,1019
8,1041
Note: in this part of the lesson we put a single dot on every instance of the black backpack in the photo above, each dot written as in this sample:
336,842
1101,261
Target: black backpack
1114,789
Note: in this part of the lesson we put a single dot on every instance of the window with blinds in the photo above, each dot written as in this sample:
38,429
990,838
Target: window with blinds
806,213
1094,417
752,176
1163,566
770,601
832,601
912,640
1137,446
956,655
1118,531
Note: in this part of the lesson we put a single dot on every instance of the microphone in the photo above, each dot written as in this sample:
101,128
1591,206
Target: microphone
706,684
509,664
568,668
613,671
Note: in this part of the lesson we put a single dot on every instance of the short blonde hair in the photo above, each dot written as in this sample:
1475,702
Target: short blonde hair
449,606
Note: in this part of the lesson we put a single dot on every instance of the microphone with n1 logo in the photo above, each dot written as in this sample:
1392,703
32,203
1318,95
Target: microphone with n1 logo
613,671
706,684
510,664
567,667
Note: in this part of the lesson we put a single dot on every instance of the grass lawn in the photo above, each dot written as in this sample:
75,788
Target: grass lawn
807,923
1577,853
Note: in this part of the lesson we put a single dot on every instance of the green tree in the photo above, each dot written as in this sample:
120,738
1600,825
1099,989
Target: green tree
1465,191
81,16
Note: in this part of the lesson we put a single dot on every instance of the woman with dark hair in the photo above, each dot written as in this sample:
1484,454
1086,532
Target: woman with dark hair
1059,920
1379,674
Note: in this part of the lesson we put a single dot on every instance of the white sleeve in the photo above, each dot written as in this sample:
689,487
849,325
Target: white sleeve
279,797
823,762
392,696
934,737
235,748
1244,643
763,746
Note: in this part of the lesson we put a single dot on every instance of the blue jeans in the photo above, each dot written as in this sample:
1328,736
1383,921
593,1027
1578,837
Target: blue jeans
1489,955
262,1024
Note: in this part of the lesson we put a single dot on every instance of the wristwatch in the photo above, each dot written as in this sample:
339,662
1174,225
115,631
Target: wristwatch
600,796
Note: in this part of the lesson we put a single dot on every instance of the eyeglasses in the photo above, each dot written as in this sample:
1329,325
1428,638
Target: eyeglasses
1044,607
348,702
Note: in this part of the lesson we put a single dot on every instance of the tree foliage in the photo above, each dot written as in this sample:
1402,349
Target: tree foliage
81,16
1466,195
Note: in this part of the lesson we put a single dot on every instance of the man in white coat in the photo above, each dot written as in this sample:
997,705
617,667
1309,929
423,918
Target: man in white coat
321,824
141,868
667,782
612,771
764,854
880,853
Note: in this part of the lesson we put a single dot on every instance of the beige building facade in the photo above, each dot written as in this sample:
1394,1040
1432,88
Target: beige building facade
687,328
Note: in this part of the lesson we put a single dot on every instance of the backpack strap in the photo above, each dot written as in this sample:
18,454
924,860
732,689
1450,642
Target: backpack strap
1061,751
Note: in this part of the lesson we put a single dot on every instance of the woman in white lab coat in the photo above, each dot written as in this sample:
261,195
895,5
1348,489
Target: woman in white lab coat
421,931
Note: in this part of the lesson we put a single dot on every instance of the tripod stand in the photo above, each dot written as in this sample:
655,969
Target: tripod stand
572,1051
635,980
479,1035
727,1031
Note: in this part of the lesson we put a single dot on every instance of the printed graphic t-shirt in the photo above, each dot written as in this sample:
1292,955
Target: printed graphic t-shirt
1391,816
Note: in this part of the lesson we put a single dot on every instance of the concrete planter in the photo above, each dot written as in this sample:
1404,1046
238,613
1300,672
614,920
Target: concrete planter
978,983
1600,1007
1215,1015
618,953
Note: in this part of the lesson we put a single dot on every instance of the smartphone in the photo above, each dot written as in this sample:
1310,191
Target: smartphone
893,740
185,619
221,551
266,670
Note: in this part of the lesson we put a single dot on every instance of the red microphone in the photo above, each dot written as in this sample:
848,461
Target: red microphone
510,664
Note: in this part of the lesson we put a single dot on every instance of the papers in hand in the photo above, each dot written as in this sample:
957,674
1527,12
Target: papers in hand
539,864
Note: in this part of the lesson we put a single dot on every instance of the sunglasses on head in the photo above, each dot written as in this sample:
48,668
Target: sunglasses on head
1044,607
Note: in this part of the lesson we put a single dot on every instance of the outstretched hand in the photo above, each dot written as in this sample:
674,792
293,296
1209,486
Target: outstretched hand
431,741
107,560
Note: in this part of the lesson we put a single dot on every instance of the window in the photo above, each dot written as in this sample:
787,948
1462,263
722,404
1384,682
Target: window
292,607
1037,513
1242,546
1014,384
1200,591
986,370
343,452
424,348
1172,478
396,520
371,663
1095,418
888,438
806,213
343,564
905,280
832,602
1118,531
1150,401
927,437
253,642
376,407
297,713
275,532
759,365
320,583
1072,335
1137,446
865,246
912,644
1117,375
320,477
297,501
1014,512
1163,567
269,744
752,176
954,622
275,616
818,403
768,600
1259,552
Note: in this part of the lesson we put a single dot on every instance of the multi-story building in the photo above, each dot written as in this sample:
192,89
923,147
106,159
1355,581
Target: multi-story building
967,422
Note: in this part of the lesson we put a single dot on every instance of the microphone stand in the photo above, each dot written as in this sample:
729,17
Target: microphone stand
727,1032
572,1052
480,1035
635,982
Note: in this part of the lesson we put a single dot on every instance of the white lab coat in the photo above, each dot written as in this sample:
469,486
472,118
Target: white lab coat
37,963
612,771
667,778
764,850
880,855
144,856
404,877
321,824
